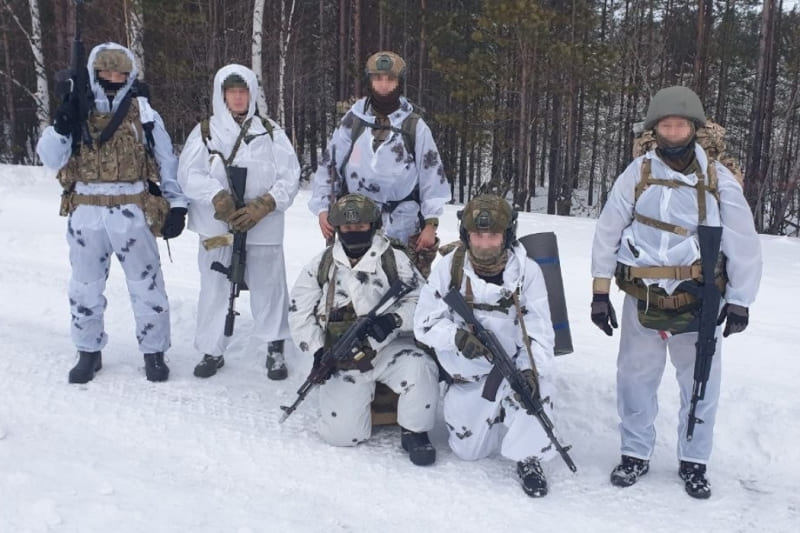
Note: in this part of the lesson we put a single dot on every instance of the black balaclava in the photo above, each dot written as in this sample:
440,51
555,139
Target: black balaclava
356,243
385,104
679,156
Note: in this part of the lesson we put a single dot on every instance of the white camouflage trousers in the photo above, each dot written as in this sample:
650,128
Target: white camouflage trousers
479,427
640,365
265,276
95,233
344,400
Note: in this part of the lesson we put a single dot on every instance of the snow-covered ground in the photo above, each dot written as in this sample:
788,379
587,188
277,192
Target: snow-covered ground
122,454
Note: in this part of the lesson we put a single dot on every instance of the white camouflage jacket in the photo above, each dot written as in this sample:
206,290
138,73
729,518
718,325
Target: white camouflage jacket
435,324
363,285
619,237
386,174
271,165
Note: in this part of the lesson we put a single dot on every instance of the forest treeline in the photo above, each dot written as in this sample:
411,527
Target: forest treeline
539,96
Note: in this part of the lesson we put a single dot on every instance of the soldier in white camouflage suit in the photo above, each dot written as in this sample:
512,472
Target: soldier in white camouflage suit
501,283
109,207
339,285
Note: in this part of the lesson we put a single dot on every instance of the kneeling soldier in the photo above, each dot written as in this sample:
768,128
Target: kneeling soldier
341,284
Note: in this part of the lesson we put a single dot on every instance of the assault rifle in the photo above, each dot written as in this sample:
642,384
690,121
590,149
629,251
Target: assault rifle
501,360
709,238
237,179
73,84
349,347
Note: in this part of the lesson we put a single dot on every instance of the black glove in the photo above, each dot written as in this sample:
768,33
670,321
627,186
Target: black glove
66,116
383,325
737,318
603,314
174,223
320,378
469,345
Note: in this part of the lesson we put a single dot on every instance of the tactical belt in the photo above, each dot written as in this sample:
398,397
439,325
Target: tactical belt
629,273
108,200
650,294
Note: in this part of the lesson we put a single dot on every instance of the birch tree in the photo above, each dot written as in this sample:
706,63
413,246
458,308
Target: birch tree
256,65
134,27
284,40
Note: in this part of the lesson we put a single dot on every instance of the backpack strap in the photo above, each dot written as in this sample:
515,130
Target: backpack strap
324,270
389,265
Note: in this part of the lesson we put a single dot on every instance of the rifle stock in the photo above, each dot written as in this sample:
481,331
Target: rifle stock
501,360
348,346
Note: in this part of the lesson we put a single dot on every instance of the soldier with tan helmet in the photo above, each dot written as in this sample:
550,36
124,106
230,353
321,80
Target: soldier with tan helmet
341,284
384,150
508,295
115,207
646,238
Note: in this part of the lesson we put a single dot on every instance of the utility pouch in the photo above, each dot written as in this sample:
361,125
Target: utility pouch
155,208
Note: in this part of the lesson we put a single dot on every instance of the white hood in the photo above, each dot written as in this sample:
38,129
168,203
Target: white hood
100,98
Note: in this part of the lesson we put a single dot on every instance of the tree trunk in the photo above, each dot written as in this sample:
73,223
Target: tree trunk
357,46
284,39
134,27
255,55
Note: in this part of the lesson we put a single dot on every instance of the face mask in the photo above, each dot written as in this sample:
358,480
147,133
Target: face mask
356,243
110,86
486,256
388,104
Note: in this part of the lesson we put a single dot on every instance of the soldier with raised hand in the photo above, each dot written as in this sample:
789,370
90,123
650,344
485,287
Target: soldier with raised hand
502,285
647,237
341,284
384,150
235,136
115,207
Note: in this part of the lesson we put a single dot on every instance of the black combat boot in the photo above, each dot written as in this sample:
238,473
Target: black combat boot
419,448
88,364
629,471
694,476
276,365
209,366
532,477
154,367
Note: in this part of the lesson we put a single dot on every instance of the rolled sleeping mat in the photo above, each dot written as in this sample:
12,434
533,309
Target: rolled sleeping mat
543,248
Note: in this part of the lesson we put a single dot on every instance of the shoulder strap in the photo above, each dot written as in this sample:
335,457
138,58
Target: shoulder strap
457,267
409,132
389,265
644,181
205,131
268,126
325,266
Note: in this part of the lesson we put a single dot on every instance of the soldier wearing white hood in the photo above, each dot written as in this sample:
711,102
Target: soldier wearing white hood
384,150
501,283
104,169
272,181
333,290
646,237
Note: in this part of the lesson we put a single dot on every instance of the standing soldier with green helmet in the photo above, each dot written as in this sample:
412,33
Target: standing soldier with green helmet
338,286
648,238
383,149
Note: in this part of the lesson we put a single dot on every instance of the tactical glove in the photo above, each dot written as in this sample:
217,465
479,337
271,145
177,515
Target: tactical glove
247,217
603,314
174,223
735,317
66,117
224,205
469,345
383,325
533,383
318,378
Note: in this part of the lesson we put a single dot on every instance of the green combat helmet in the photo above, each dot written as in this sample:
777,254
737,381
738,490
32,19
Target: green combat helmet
234,81
354,209
114,60
488,213
675,101
386,63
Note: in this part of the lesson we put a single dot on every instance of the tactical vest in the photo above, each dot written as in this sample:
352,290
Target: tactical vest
123,158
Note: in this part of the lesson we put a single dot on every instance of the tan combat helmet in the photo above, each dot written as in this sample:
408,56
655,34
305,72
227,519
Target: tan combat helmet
354,209
488,213
675,101
386,62
113,59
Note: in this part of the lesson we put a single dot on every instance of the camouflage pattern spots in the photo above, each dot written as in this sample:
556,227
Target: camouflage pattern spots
362,277
348,120
464,434
303,346
292,306
430,159
347,378
399,152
